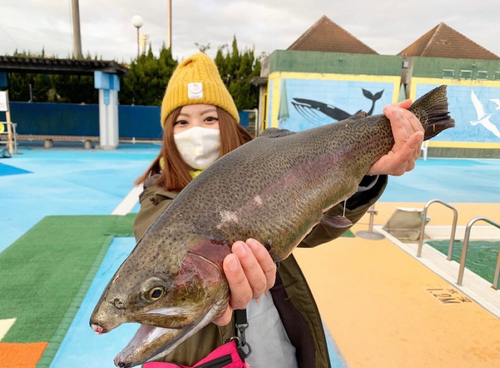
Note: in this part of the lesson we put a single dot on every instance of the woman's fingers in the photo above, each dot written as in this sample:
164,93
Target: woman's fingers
404,160
250,272
225,318
241,292
405,104
265,261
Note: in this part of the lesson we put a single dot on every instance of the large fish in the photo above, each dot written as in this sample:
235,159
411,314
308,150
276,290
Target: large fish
275,189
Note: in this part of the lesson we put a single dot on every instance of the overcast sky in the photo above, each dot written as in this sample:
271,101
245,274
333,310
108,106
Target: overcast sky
386,26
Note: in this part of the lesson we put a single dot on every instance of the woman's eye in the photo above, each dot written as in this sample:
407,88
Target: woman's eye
181,122
211,119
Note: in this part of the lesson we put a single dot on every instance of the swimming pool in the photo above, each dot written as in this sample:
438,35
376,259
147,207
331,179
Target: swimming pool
481,258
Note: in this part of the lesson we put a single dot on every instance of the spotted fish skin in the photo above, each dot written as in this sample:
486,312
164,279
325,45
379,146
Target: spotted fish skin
274,189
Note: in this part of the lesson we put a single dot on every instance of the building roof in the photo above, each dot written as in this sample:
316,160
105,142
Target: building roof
14,64
444,41
325,35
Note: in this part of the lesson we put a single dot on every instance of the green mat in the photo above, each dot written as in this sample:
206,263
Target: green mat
348,234
44,270
481,255
46,273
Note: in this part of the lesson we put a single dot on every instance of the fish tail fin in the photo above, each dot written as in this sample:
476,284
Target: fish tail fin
432,111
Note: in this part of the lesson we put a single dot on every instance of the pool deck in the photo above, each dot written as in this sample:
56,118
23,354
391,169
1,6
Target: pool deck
386,309
383,307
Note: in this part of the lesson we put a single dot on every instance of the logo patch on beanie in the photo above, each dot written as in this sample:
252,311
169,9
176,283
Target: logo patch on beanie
195,90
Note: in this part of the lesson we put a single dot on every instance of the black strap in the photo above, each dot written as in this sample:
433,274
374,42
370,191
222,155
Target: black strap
240,325
220,362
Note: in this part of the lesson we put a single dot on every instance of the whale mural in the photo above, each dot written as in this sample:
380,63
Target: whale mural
309,109
313,103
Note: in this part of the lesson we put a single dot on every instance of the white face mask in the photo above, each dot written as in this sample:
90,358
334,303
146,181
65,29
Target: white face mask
199,147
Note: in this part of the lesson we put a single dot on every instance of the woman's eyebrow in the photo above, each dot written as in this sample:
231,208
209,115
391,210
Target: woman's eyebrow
208,110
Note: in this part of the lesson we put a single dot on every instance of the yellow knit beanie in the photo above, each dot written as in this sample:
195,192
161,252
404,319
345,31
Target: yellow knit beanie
197,81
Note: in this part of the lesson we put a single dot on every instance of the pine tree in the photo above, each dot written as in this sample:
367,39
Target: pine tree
148,77
53,87
237,69
146,82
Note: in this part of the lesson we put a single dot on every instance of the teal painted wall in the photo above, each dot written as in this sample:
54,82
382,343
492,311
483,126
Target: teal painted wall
335,63
430,67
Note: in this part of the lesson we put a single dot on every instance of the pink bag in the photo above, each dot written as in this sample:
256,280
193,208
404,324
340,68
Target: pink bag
225,356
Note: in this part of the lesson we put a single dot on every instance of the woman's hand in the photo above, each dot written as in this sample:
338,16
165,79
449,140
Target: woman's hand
250,272
408,137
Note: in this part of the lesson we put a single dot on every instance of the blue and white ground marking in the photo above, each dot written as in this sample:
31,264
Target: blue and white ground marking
82,347
11,170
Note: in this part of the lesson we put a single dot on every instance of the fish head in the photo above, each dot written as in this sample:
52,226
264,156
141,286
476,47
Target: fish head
172,294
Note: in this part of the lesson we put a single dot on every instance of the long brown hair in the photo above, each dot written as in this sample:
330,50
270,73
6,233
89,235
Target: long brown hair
174,176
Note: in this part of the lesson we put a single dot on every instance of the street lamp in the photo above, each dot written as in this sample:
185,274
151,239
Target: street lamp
137,21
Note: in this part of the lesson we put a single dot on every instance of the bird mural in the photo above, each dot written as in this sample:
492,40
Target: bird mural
483,118
497,101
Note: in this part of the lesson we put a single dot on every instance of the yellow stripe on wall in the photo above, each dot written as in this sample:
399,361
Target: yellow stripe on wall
444,144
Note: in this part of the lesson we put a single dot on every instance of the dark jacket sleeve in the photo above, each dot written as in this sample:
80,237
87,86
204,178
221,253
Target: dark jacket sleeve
356,207
153,201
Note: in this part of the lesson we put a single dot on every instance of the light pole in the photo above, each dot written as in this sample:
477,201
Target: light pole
77,38
137,21
169,27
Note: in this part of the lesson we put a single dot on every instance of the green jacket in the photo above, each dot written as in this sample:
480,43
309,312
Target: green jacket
291,294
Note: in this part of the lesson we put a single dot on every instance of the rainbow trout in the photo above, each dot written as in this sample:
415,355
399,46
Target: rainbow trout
275,189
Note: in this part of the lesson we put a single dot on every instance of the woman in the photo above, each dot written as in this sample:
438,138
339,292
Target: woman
200,122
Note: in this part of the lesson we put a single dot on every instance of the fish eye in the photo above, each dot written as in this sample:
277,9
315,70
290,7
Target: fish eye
153,289
156,293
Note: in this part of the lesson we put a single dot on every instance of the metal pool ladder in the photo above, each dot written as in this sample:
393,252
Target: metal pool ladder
464,251
424,221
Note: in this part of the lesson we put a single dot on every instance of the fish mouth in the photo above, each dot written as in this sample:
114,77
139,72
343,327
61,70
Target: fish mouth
151,343
135,353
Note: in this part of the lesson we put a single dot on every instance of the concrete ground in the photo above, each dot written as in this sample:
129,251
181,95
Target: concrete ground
386,309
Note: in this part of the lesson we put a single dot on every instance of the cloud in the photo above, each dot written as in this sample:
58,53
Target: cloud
107,30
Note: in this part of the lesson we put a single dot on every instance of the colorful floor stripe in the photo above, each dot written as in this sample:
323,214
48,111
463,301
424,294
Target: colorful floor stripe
49,271
5,325
27,355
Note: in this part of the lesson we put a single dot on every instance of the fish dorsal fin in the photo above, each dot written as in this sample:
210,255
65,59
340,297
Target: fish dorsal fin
359,115
275,133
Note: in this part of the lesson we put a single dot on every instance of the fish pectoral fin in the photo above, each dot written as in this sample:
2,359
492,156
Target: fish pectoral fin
337,222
